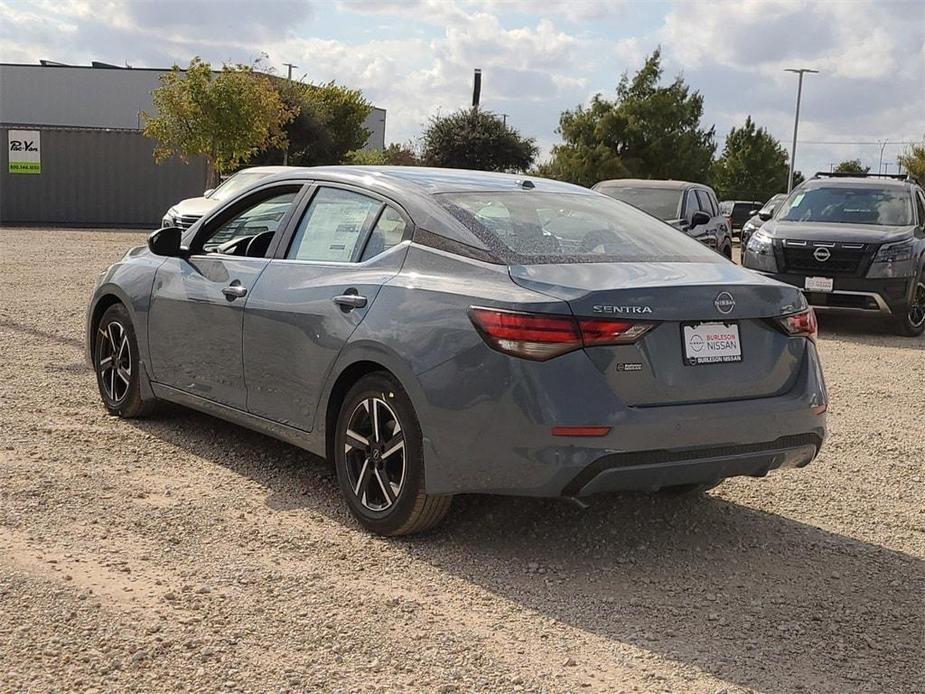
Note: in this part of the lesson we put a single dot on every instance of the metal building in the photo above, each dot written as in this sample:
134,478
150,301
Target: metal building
95,168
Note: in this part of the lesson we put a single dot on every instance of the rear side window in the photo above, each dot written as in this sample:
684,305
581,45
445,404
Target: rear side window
333,225
388,232
658,202
531,227
843,205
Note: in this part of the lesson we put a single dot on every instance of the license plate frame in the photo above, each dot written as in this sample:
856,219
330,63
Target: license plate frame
822,285
698,352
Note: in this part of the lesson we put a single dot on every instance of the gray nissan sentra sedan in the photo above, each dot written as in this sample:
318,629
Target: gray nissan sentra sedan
433,332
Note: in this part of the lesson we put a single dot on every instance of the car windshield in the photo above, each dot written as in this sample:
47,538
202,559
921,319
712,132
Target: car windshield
658,202
771,204
842,205
532,227
236,183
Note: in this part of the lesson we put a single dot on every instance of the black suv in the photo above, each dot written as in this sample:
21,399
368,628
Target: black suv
850,242
690,207
737,212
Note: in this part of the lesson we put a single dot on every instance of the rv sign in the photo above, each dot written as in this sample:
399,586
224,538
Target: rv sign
24,150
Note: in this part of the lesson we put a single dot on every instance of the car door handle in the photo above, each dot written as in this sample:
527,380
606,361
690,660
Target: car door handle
235,291
350,301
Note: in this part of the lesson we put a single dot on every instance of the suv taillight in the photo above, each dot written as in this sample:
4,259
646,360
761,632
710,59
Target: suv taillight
540,336
800,324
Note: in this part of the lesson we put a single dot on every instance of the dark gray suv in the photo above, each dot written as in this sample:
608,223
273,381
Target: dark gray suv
690,207
850,242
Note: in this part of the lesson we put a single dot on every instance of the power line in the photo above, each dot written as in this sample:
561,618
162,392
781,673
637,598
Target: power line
851,142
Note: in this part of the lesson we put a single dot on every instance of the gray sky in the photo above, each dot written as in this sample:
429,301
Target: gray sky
415,57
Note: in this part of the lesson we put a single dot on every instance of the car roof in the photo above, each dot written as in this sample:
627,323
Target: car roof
648,183
430,180
267,169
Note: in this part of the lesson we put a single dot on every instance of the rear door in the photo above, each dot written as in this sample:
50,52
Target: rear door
197,304
312,296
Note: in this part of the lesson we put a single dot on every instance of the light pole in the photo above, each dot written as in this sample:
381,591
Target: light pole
288,79
796,122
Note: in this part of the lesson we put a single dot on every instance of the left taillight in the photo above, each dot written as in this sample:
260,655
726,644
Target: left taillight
802,324
540,337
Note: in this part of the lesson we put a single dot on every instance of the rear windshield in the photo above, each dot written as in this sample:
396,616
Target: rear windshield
531,227
848,206
658,202
236,183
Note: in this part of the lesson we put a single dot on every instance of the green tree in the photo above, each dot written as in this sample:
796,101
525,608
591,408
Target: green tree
329,122
648,131
753,165
226,117
476,139
851,166
913,161
393,155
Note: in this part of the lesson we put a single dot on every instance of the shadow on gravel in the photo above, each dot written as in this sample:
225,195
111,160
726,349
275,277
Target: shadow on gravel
755,599
44,334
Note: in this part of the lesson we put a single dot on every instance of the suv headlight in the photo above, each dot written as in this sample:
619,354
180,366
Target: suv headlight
759,253
893,260
170,219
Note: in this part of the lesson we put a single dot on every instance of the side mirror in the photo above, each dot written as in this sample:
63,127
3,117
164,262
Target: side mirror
208,192
699,218
166,242
765,215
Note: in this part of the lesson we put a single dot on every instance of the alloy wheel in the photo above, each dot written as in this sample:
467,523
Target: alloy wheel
917,309
374,454
114,361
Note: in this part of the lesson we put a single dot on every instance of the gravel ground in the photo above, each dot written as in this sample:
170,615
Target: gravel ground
184,553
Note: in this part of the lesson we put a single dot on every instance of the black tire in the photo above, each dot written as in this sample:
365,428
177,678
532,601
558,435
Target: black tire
689,489
384,485
912,323
117,366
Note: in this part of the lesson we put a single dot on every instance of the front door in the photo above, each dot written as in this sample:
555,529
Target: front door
308,302
196,314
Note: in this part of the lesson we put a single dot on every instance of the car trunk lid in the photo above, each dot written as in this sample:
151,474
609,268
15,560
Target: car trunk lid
657,369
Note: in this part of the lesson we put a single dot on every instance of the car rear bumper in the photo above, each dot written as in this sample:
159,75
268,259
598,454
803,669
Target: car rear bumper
504,444
888,296
653,470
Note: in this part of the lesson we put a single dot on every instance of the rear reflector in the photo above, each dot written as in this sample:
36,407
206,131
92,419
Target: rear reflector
800,324
540,337
580,431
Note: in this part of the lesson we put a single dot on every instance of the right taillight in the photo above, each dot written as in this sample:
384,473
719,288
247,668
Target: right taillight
540,337
800,324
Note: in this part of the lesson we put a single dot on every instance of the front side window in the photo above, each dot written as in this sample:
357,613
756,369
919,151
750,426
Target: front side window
705,204
531,227
260,218
333,226
658,202
843,205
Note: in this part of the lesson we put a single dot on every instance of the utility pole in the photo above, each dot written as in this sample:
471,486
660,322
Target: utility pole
288,79
476,88
882,147
504,118
796,122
